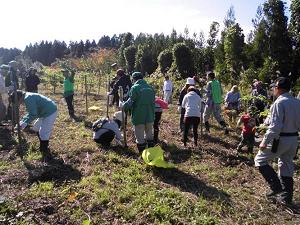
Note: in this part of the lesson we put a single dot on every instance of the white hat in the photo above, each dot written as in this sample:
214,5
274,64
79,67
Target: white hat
118,115
190,81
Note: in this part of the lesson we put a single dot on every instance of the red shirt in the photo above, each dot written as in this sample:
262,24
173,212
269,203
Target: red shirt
249,124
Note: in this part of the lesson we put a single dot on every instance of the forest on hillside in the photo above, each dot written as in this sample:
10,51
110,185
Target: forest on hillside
270,49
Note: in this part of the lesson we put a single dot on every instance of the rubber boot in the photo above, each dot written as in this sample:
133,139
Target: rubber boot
141,147
272,179
286,197
207,126
150,144
155,136
46,155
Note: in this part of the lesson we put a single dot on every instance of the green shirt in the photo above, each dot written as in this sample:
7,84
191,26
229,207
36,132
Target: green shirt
37,106
69,86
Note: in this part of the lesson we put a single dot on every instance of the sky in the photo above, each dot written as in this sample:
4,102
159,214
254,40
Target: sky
30,21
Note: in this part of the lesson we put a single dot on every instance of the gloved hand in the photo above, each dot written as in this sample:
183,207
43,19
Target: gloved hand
121,104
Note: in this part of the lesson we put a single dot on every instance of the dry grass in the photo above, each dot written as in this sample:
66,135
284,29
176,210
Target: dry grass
211,184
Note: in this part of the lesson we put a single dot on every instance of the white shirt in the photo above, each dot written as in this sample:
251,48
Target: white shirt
192,104
168,86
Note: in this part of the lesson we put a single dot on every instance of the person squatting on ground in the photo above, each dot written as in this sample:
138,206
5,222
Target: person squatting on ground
213,104
69,91
167,89
280,141
189,82
232,103
248,130
159,106
32,81
192,104
45,111
105,130
141,102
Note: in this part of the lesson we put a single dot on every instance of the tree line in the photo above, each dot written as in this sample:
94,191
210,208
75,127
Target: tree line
272,48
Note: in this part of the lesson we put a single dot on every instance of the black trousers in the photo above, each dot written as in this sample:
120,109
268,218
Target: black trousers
156,125
106,138
181,123
69,101
188,122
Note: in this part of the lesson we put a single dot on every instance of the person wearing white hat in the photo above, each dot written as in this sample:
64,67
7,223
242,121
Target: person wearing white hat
106,129
189,82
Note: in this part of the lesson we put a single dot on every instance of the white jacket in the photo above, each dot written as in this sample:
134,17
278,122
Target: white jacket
192,104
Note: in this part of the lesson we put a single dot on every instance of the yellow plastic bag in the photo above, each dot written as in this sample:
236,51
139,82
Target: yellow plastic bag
94,108
155,157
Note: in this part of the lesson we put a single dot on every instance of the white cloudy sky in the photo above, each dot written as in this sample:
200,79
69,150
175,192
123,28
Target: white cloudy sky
25,21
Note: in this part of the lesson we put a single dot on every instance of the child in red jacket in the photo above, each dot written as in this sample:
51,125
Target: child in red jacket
248,130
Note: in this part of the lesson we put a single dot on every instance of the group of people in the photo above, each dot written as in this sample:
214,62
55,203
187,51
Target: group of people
139,99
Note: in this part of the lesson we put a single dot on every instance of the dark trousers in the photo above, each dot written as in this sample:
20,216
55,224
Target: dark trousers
69,101
106,138
249,140
156,125
188,122
181,123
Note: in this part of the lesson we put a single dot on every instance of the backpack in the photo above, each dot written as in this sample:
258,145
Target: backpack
99,124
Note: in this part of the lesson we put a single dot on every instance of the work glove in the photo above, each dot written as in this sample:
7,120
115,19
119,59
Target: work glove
121,104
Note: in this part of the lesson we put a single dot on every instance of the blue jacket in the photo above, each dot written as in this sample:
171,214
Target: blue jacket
37,106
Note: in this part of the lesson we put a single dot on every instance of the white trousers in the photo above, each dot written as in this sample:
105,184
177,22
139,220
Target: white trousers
143,131
45,126
167,96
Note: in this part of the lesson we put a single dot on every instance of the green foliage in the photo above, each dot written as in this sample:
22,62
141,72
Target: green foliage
127,40
54,77
183,60
145,62
233,49
268,71
130,54
165,59
279,40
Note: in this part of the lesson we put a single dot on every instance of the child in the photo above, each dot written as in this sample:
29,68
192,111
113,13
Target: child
105,130
248,130
159,106
192,104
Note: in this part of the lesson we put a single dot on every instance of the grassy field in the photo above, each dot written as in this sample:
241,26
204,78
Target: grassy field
210,185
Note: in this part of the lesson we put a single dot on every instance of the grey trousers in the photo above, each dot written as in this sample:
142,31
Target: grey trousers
215,109
143,133
287,149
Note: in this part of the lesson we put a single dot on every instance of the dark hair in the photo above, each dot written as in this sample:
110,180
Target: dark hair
118,122
19,94
191,88
167,77
211,75
283,83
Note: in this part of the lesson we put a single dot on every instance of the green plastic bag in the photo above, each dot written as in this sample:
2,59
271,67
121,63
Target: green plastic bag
155,157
